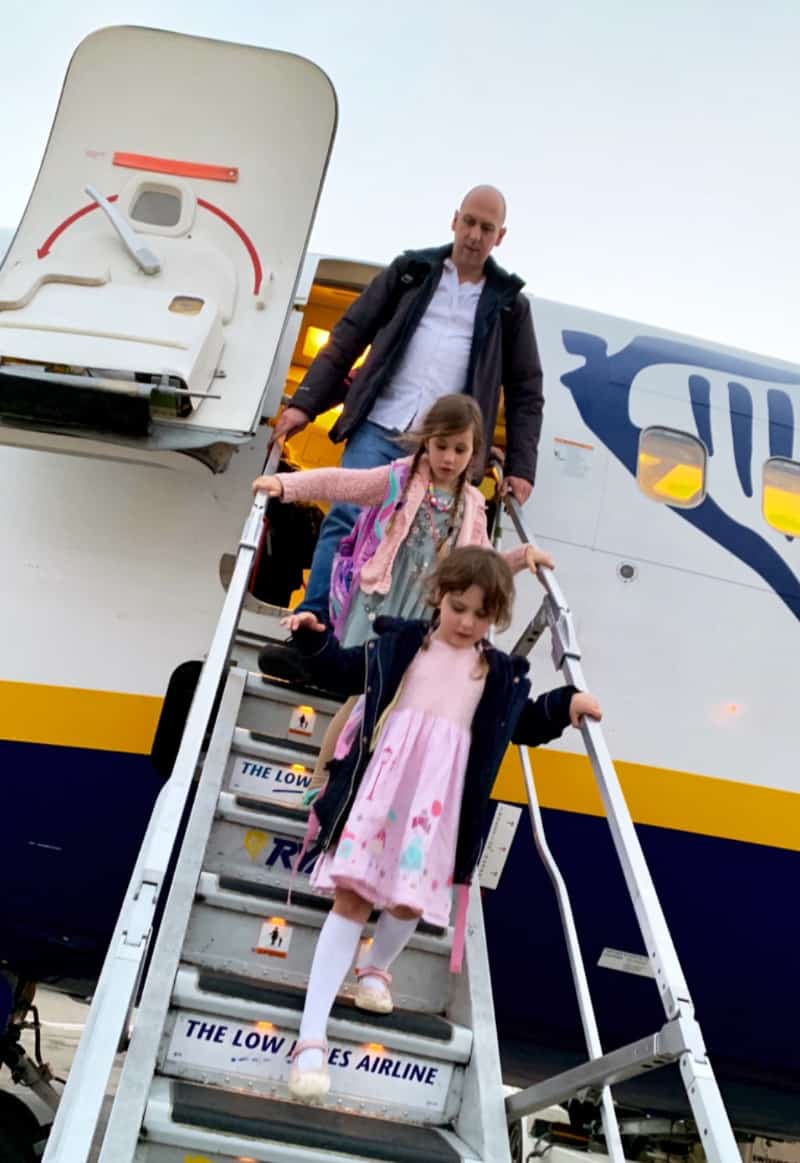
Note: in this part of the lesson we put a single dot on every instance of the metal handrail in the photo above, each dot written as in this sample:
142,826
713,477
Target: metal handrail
76,1120
682,1032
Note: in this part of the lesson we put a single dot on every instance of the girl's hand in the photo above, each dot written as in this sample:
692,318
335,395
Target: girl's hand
305,620
271,485
534,556
582,703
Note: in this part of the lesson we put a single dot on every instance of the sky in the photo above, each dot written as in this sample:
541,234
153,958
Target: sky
648,151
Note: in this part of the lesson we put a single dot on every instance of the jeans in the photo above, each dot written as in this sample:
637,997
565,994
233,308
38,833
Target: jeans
369,447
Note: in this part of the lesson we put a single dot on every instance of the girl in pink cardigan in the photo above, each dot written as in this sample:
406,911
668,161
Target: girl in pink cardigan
434,509
427,507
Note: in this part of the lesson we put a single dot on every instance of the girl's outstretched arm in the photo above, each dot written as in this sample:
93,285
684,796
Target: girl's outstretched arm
335,668
544,718
361,486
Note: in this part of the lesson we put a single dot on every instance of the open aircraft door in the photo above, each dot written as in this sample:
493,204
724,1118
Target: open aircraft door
144,296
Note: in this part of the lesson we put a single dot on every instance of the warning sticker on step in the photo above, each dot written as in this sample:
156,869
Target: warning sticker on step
269,781
259,1052
274,938
302,721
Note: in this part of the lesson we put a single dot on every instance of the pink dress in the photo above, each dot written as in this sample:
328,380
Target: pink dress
399,842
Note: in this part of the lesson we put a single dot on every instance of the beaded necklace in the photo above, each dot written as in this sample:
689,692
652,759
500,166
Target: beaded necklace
440,541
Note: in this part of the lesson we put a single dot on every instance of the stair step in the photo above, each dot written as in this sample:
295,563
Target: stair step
258,849
225,932
227,1127
237,1034
308,900
270,709
253,852
432,1027
269,769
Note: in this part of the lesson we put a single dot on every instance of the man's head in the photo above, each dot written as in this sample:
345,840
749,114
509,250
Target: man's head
478,227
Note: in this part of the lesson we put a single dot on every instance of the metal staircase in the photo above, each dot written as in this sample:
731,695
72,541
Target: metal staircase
205,1074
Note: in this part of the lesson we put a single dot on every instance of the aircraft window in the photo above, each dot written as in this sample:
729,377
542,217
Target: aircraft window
157,208
671,467
781,499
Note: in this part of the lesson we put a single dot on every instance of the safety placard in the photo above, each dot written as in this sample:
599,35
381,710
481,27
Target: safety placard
302,721
274,938
623,962
498,844
260,1051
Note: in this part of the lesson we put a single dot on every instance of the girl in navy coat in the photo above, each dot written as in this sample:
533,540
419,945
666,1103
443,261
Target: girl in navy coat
400,820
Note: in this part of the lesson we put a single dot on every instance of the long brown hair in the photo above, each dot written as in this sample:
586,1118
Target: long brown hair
448,416
473,565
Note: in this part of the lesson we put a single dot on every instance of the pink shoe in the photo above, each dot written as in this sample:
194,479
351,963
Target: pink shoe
308,1084
379,1001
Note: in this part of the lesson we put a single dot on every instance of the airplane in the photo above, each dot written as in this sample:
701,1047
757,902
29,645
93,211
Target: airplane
668,491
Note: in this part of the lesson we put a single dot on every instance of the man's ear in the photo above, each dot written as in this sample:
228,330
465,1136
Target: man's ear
500,235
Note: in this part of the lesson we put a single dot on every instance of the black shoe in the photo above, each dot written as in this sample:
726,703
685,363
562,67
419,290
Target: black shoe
282,660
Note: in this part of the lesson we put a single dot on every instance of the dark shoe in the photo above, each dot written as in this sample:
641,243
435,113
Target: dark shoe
282,660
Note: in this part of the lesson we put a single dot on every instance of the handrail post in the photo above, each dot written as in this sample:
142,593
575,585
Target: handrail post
696,1071
81,1101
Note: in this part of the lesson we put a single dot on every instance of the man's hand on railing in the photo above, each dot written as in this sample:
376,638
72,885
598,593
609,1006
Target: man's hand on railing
518,487
271,485
583,703
534,557
290,422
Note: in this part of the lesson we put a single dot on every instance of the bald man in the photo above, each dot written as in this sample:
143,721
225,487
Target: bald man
442,320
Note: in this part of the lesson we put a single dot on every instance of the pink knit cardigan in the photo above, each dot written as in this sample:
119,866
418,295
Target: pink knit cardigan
368,486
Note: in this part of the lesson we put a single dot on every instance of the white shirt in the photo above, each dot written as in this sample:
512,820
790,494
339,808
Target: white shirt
436,360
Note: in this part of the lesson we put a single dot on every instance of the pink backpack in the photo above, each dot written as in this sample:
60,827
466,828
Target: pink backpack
360,545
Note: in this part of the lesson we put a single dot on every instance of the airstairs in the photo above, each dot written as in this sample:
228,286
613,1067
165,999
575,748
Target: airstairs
205,1073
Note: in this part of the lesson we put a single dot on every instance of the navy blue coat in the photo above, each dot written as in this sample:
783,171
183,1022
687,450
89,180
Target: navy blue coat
504,715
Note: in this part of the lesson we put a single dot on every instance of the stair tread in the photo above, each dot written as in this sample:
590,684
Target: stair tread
275,741
306,900
422,1025
268,808
308,1126
296,688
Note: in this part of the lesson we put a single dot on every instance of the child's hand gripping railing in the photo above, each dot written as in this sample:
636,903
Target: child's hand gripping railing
680,1039
78,1112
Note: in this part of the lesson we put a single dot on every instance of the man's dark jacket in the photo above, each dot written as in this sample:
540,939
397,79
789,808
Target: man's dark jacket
503,352
504,715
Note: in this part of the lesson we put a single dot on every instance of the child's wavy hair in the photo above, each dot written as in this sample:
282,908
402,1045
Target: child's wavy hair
473,565
448,416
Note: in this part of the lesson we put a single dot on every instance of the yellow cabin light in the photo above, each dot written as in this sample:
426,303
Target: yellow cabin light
781,499
326,420
671,467
361,359
315,340
265,1027
681,483
374,1047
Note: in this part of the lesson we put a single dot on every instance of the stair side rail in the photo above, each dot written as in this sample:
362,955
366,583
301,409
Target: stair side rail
78,1112
588,1019
681,1038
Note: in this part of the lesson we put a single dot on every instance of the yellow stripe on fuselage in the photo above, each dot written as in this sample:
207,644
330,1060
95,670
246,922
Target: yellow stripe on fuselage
73,717
661,797
113,721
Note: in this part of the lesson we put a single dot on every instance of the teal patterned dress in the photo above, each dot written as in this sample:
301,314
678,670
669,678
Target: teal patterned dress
415,560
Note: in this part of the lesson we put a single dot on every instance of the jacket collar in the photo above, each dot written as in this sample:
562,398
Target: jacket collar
504,285
498,660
